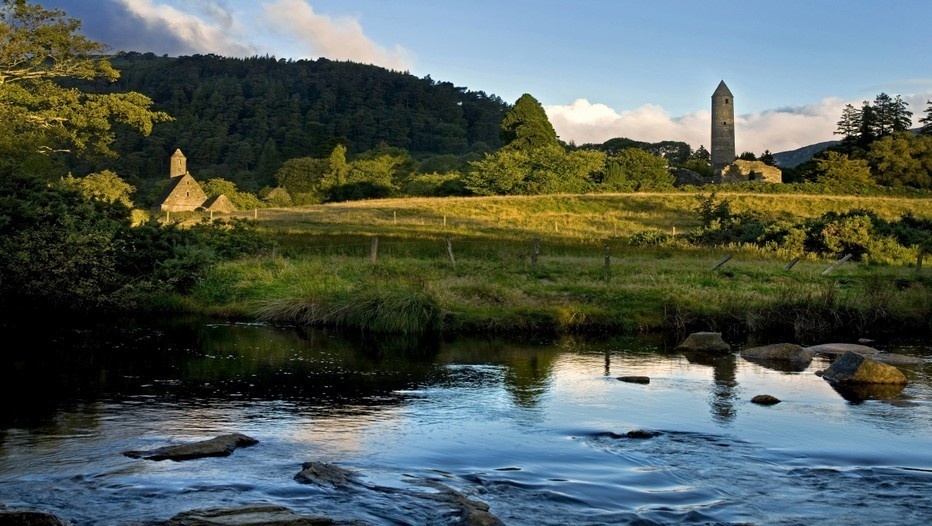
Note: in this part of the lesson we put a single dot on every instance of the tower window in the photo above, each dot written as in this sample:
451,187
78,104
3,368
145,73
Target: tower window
724,123
726,101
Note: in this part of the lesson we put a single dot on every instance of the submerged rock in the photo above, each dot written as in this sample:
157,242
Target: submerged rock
765,399
789,354
322,473
257,515
837,349
897,359
635,379
29,518
854,368
220,446
704,341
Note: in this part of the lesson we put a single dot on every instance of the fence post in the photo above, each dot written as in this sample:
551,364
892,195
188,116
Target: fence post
722,261
394,217
791,263
836,264
450,251
535,250
608,262
374,249
919,262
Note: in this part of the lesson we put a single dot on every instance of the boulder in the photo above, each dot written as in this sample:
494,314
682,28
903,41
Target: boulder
854,368
29,518
837,349
322,473
220,446
257,515
897,359
765,399
635,379
785,353
704,341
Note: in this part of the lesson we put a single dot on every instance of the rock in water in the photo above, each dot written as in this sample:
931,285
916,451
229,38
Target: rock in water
704,341
791,354
29,518
258,515
852,367
765,399
322,473
635,379
220,446
837,349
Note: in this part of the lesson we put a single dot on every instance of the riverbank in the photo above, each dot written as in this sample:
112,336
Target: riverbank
560,264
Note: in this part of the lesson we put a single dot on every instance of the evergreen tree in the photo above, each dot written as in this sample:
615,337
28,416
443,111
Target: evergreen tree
885,113
850,124
902,119
767,158
526,126
927,120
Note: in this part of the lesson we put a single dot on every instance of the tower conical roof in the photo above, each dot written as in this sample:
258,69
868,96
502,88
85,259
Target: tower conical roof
722,90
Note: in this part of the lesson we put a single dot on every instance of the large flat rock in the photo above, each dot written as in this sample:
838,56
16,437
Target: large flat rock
220,446
837,349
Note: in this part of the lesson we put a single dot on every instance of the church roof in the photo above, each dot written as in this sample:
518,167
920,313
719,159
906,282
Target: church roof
722,90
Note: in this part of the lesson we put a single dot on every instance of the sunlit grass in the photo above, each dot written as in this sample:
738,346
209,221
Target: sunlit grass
321,273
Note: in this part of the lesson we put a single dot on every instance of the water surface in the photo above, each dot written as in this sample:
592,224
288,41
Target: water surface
538,431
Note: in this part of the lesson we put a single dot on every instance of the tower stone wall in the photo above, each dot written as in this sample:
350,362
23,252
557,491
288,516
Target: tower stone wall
178,165
723,128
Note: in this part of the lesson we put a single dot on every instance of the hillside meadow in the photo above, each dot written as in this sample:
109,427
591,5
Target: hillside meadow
562,263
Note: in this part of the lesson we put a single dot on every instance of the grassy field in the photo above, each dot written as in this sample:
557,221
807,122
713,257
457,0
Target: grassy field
552,264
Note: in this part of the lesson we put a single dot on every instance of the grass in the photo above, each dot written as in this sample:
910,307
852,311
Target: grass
321,273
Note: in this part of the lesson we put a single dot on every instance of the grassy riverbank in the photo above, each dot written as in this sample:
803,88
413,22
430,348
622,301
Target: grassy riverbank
560,264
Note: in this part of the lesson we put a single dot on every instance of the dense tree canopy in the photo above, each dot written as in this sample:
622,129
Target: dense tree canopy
39,49
526,126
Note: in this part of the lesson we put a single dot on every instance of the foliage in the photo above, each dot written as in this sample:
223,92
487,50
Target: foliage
545,170
40,49
926,121
634,169
836,171
526,126
104,186
902,159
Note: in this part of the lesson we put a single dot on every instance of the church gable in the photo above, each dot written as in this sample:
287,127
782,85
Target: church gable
183,194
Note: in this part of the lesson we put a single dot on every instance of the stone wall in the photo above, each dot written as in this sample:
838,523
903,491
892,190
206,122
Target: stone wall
742,171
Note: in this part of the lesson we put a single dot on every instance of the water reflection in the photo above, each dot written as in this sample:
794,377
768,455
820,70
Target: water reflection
724,375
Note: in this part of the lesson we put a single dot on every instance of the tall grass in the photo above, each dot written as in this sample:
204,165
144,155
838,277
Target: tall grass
321,274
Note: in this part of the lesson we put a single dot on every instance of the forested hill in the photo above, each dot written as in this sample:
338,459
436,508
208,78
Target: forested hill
238,119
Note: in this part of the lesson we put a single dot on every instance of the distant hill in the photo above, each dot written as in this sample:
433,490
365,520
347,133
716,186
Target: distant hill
794,158
239,119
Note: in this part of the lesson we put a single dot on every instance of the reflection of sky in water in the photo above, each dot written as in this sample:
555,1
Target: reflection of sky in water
538,431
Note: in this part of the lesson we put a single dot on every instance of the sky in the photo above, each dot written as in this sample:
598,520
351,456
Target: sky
601,68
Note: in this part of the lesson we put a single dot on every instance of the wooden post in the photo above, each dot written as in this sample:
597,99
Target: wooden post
211,215
535,250
836,264
919,262
450,251
791,263
444,220
394,217
608,262
255,213
374,249
722,261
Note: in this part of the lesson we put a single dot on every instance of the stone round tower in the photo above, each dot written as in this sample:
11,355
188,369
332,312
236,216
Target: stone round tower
178,165
723,128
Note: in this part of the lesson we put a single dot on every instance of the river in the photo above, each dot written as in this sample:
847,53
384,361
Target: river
536,430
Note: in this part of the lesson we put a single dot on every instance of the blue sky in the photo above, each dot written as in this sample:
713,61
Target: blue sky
602,69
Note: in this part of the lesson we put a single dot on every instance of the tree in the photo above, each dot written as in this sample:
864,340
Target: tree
927,120
546,170
102,186
526,126
768,159
747,156
838,172
39,49
849,126
634,169
902,119
902,159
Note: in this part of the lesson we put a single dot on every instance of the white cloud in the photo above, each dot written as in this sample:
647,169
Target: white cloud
774,130
215,32
335,38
